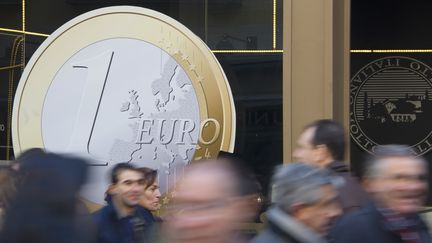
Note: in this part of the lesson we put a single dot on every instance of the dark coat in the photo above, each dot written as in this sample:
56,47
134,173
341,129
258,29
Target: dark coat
369,225
282,228
351,194
44,210
113,229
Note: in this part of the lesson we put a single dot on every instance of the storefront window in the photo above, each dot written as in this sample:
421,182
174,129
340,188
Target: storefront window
244,35
390,103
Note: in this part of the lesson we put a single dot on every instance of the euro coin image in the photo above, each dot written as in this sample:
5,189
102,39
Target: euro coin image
124,85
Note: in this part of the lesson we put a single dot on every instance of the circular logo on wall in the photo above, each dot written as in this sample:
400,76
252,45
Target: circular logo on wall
125,84
391,104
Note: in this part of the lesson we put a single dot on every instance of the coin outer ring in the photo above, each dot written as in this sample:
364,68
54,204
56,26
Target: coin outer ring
208,79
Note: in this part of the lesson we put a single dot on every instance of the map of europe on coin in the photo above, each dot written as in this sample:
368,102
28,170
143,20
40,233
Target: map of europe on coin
132,102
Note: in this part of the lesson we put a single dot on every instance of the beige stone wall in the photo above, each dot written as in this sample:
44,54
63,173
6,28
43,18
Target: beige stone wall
316,65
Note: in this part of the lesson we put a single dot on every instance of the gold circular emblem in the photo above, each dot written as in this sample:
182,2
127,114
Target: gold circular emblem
125,84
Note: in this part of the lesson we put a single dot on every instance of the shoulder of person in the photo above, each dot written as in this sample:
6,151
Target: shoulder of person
353,226
104,213
145,214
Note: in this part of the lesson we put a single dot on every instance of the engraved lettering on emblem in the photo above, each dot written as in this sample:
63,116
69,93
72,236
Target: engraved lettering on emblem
145,130
97,76
207,154
166,130
415,65
186,129
205,124
168,136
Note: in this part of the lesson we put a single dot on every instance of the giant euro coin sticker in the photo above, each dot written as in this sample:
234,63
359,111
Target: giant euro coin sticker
151,94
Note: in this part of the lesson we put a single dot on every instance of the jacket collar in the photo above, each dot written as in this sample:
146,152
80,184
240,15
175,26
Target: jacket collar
121,213
386,215
338,166
292,227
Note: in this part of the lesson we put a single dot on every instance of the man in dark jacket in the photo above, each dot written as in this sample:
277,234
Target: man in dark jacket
122,220
322,144
397,181
305,205
45,207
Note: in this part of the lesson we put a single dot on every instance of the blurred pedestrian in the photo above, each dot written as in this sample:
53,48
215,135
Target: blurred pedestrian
305,206
397,181
44,209
322,144
208,204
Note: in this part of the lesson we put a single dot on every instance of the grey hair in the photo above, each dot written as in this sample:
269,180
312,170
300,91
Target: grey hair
298,183
373,163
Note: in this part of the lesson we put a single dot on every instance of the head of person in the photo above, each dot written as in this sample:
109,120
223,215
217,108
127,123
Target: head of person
208,204
307,194
321,143
46,196
151,195
26,158
397,179
50,176
248,188
127,186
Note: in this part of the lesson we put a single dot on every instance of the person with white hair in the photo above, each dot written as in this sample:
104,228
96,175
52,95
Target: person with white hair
305,205
397,180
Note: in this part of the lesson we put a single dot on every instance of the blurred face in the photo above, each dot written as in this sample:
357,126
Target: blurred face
320,216
151,196
203,210
128,190
402,184
305,151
